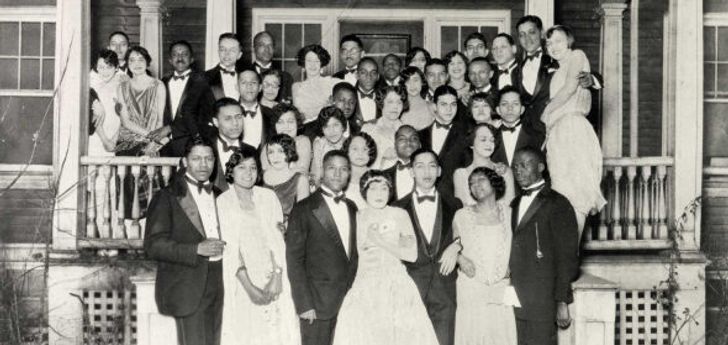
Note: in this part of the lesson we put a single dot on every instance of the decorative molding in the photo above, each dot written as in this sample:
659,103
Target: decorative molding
28,13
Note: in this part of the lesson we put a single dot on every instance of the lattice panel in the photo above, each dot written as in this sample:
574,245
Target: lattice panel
110,317
640,319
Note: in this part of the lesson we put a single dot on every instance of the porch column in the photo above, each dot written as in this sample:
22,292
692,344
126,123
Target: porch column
220,19
72,66
544,9
611,58
687,28
150,32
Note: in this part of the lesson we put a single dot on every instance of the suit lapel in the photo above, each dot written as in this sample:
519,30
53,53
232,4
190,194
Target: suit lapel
532,209
323,215
183,97
189,206
352,229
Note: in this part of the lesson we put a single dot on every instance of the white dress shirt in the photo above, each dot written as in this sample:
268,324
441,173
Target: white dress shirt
351,77
340,213
438,137
367,106
394,82
485,89
526,200
426,212
404,181
176,88
259,64
230,84
225,156
530,72
207,208
504,79
510,139
253,127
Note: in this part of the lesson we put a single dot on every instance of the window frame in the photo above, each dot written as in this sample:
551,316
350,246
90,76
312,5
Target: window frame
715,20
34,176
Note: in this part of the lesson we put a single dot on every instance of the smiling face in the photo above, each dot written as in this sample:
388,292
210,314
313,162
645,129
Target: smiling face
245,174
200,162
312,64
276,156
391,67
414,85
475,48
392,106
249,86
425,171
558,45
457,67
510,107
446,108
436,76
351,53
345,100
229,122
287,124
368,75
406,141
479,73
336,173
264,48
480,187
503,51
333,130
228,50
377,194
181,58
137,64
271,86
529,36
358,152
483,143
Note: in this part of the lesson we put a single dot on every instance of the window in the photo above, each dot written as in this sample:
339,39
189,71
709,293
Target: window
452,37
290,38
715,45
27,62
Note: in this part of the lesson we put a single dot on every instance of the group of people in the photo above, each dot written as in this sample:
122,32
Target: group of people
434,201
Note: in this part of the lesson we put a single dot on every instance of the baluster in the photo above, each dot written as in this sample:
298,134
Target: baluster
134,230
91,202
166,174
617,206
151,174
105,230
662,232
603,229
121,231
644,221
630,222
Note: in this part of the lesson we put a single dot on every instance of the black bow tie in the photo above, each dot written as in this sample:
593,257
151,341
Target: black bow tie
529,191
421,199
369,95
352,70
262,69
250,113
224,71
226,147
180,77
504,128
445,127
201,185
337,198
535,55
402,166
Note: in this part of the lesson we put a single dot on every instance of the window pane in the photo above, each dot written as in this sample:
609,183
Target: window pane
489,32
9,75
722,77
312,34
448,39
722,46
30,39
30,74
709,80
275,30
25,119
49,39
293,40
48,71
464,32
9,38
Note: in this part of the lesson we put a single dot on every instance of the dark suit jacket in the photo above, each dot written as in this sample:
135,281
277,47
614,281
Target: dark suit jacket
173,230
392,174
218,174
515,77
541,283
527,137
215,81
455,153
194,110
426,267
340,74
318,268
536,102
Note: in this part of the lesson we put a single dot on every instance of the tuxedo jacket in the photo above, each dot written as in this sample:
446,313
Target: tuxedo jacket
173,230
527,137
211,133
391,172
340,74
194,110
548,227
319,270
536,102
515,77
454,154
214,79
426,267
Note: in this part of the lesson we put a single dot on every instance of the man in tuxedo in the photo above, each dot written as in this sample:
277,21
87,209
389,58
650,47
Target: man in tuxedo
225,136
447,137
368,76
223,78
351,51
406,141
434,271
257,119
119,44
504,54
513,134
189,101
479,72
544,260
263,49
344,98
436,75
391,66
183,235
321,251
476,45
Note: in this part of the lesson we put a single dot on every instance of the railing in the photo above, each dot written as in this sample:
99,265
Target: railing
118,192
636,215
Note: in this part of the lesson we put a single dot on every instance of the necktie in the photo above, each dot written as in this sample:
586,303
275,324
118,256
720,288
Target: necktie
180,77
224,72
402,166
504,128
261,69
535,55
250,113
226,147
201,185
530,191
351,70
369,95
421,199
337,198
445,127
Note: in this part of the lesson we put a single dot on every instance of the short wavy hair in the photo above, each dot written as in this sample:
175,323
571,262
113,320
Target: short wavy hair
141,51
413,52
407,73
322,54
374,175
371,145
451,55
384,91
328,113
282,108
239,156
108,56
497,182
288,145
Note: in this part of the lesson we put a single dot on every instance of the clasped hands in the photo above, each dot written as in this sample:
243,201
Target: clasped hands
267,294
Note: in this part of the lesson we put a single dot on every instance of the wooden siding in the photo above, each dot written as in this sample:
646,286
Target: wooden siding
25,216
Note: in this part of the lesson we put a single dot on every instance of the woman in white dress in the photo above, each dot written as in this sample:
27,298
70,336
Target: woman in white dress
314,93
383,305
258,307
419,115
104,81
485,312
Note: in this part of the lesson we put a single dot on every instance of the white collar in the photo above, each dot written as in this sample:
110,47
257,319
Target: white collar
262,65
540,183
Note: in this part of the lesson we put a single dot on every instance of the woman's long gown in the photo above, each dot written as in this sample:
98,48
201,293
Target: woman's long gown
383,305
254,235
482,318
